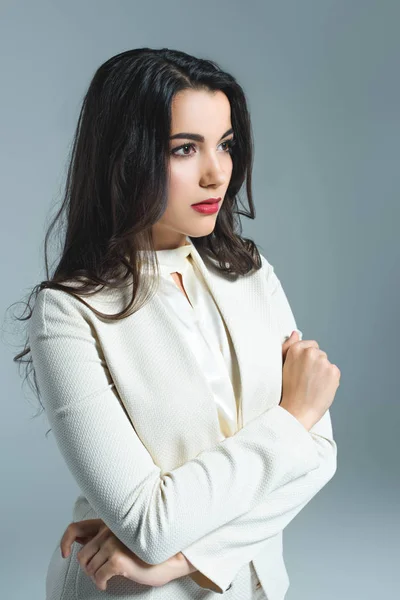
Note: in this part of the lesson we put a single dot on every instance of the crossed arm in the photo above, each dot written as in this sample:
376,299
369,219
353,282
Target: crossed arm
219,555
262,476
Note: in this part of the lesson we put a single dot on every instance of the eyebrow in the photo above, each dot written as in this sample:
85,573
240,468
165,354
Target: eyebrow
196,136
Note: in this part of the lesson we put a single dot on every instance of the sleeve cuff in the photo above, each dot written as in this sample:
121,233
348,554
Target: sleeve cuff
297,439
205,575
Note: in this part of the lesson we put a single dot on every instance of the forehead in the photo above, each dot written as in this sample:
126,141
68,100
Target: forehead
200,111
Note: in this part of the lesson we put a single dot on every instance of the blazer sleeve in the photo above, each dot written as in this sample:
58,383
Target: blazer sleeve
219,555
155,514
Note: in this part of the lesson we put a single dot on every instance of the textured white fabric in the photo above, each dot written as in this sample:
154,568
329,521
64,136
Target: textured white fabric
136,421
67,581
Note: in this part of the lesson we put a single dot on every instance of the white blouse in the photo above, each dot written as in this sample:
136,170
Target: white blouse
204,328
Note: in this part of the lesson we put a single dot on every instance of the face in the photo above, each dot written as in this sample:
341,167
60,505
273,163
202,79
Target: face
200,168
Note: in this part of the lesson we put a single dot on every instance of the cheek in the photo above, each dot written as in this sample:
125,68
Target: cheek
182,177
180,191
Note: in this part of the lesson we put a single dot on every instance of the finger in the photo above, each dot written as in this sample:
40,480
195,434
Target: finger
99,559
79,529
84,540
104,573
87,552
92,547
294,337
73,532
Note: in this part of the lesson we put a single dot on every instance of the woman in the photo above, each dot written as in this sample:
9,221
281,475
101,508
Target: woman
193,418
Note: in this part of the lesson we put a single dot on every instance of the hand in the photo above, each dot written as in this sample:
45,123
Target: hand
309,380
103,555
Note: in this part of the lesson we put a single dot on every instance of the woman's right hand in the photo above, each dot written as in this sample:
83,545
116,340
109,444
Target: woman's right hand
309,380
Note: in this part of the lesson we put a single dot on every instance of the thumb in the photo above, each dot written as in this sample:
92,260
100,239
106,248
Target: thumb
79,530
294,337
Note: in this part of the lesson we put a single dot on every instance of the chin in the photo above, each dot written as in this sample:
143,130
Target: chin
201,231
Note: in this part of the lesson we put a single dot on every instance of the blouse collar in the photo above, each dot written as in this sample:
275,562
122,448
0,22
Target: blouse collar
174,259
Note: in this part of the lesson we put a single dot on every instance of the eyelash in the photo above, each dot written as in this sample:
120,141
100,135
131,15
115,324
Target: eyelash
231,142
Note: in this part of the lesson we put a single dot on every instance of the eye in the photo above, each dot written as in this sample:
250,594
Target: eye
183,147
230,143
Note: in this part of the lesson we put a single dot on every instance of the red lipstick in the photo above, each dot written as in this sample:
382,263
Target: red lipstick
207,207
208,201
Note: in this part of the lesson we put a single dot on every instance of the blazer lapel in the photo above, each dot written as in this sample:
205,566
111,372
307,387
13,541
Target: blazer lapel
245,308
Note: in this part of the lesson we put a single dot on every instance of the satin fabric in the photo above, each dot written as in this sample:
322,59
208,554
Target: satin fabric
205,330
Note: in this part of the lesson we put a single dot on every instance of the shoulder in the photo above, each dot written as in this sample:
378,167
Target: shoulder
266,265
268,272
54,308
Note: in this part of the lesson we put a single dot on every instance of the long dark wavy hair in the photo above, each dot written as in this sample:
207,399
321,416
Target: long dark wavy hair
117,180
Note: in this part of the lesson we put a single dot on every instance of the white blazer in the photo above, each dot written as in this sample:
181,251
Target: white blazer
136,423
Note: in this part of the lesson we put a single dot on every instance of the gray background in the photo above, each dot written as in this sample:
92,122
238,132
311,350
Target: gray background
322,81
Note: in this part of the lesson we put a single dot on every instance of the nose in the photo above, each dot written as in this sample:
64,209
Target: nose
213,172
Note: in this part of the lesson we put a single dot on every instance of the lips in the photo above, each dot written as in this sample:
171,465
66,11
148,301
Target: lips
208,201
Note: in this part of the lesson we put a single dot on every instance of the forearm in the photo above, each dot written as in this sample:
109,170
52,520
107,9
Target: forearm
219,555
178,566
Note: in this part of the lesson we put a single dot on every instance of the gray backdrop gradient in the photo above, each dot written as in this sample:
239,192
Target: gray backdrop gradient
322,80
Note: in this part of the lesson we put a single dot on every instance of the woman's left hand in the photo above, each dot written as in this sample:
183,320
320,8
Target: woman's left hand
103,555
